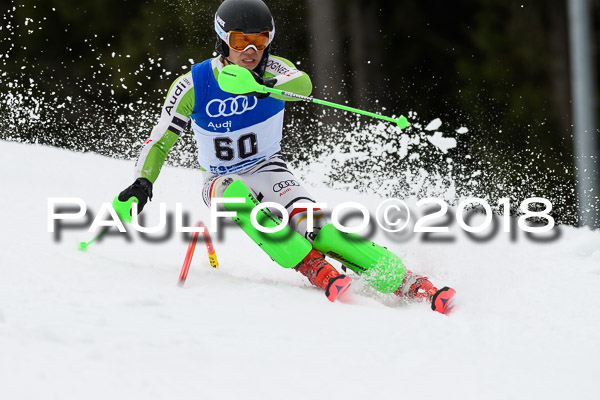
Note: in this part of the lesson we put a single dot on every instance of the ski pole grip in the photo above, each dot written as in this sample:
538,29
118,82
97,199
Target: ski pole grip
123,208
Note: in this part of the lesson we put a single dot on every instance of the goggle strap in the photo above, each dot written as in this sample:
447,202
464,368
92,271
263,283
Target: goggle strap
222,34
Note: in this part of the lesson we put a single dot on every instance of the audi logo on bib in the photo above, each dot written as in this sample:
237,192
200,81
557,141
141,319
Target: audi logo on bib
231,106
282,185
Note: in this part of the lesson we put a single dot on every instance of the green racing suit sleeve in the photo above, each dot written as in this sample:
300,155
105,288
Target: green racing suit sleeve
179,104
174,117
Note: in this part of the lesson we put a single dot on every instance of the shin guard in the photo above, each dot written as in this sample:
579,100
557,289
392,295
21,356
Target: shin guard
382,269
286,247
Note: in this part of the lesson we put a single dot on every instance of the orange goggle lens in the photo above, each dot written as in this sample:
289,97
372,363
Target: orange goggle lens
239,41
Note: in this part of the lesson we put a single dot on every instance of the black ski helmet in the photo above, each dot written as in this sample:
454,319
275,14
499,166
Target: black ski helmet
248,16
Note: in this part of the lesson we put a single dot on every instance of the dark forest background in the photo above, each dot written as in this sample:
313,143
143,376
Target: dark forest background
90,75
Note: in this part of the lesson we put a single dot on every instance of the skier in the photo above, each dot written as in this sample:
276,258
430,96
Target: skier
238,138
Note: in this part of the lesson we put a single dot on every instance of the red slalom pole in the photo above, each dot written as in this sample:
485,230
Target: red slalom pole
212,256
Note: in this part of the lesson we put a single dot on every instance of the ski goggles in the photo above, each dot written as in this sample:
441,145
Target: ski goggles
240,41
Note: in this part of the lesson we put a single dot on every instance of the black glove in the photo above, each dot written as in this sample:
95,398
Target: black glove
142,189
269,82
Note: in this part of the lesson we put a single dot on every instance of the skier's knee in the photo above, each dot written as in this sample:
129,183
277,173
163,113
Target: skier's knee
300,218
217,186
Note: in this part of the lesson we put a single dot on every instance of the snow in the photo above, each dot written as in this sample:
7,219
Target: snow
442,143
434,125
111,323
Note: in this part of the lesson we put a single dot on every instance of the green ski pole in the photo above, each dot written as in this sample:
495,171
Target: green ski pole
122,208
84,245
238,80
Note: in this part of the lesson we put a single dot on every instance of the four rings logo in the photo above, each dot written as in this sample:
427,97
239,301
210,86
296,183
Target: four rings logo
228,107
282,185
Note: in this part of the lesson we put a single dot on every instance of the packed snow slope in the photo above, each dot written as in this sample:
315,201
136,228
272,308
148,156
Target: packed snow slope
111,322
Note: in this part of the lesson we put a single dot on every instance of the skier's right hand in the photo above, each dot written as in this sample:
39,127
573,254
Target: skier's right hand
141,190
269,82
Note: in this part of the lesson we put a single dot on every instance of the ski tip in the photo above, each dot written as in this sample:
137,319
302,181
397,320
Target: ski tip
337,286
442,300
82,246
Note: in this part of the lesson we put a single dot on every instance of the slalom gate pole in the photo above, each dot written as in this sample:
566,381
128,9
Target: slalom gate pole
84,245
212,255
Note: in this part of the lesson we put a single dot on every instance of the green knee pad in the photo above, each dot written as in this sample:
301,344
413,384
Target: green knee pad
286,247
381,268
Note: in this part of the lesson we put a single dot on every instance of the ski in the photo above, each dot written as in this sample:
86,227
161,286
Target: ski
441,301
337,286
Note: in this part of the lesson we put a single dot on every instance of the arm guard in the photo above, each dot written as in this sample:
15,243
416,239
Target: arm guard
288,78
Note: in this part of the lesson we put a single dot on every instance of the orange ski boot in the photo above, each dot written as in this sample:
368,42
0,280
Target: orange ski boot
420,288
323,275
415,287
